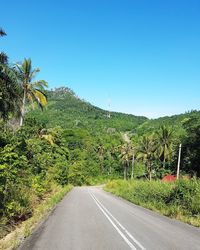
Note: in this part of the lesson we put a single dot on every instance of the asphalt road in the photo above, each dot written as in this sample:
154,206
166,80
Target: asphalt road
91,219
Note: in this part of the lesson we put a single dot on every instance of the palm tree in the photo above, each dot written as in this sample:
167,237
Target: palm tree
134,140
146,151
3,56
9,87
127,138
165,138
32,91
133,163
101,152
112,152
126,154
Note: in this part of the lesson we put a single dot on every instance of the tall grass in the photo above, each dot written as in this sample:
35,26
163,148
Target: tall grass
12,240
180,200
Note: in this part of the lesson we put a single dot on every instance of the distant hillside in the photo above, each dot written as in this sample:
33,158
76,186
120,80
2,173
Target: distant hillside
175,121
67,110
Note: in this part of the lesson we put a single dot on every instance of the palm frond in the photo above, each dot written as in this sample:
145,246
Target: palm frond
2,32
34,72
41,84
30,97
18,67
40,97
26,67
9,74
3,58
10,99
33,91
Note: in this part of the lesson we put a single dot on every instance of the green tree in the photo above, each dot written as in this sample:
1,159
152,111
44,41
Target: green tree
3,56
165,139
33,91
125,156
9,87
101,155
133,162
146,151
190,160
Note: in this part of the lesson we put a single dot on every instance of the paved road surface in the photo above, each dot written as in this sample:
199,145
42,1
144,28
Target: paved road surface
90,219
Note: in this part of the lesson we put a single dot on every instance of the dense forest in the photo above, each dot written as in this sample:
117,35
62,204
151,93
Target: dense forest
52,137
153,143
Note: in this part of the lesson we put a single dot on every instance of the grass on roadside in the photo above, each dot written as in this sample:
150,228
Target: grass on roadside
179,200
12,240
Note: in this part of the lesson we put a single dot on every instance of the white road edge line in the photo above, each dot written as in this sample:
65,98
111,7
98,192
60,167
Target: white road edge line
117,229
120,225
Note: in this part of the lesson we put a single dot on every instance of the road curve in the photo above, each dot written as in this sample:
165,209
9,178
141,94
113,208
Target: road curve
90,219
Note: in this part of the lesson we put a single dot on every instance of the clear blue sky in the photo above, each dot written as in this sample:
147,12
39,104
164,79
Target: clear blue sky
144,55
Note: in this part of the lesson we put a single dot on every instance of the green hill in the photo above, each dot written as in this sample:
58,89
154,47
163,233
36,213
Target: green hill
67,110
175,121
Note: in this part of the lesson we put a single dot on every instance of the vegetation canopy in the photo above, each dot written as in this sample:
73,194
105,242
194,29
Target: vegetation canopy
72,141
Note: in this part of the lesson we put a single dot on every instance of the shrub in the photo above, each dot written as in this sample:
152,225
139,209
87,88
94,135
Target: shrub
180,199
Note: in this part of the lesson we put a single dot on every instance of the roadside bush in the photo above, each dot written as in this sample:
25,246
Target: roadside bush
14,178
186,194
180,199
76,176
141,191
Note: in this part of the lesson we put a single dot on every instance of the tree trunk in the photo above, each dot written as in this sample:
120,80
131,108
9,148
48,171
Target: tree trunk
150,177
164,161
125,172
110,170
22,109
132,169
149,170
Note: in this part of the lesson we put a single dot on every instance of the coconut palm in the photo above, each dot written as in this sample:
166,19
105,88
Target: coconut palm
146,151
127,138
33,91
9,87
3,56
126,156
9,93
101,152
165,139
112,155
134,139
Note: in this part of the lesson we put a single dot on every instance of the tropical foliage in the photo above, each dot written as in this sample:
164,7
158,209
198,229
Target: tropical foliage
33,91
178,200
9,88
72,141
